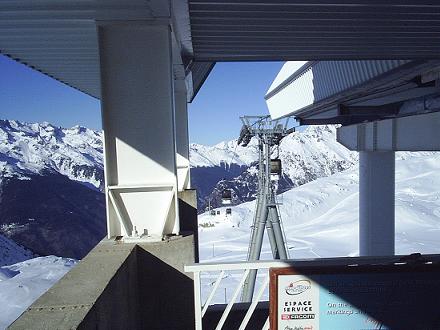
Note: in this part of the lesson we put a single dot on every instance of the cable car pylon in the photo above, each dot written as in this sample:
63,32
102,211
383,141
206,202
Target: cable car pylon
269,134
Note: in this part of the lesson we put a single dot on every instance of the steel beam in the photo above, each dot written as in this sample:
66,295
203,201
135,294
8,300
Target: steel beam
182,136
138,123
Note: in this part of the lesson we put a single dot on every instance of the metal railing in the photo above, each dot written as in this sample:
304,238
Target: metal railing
221,269
263,267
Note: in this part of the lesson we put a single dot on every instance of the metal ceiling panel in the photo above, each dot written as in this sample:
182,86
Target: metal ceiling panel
59,38
314,30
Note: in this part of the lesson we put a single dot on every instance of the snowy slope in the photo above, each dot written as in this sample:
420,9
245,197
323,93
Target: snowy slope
38,148
321,217
22,283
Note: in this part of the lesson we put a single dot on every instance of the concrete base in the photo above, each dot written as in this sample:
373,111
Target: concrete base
188,216
121,286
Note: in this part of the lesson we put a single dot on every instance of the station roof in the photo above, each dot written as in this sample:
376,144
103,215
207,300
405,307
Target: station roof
345,92
58,37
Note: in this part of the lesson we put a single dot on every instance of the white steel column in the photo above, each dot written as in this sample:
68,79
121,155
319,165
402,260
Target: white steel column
376,142
376,203
138,122
182,136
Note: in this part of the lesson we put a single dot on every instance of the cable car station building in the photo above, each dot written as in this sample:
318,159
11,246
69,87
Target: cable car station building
370,63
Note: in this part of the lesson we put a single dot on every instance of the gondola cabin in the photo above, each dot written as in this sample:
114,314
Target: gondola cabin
227,197
275,167
228,211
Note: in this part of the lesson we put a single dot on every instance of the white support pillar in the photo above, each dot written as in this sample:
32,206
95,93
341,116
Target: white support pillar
377,142
376,203
138,122
182,136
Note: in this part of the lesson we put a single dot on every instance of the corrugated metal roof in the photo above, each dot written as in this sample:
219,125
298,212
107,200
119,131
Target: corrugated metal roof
321,86
230,30
63,49
59,39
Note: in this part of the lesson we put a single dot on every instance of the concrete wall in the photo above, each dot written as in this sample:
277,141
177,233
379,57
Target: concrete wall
166,295
121,286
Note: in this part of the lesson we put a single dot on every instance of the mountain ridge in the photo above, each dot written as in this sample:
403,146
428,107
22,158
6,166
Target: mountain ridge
33,148
305,156
35,156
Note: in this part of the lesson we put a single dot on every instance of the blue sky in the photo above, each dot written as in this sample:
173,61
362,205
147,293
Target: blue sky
30,96
231,90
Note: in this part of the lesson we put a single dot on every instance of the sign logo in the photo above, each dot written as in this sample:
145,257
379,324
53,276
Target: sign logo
298,287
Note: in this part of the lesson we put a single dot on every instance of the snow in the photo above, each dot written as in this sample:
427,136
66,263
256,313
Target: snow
223,153
22,283
321,218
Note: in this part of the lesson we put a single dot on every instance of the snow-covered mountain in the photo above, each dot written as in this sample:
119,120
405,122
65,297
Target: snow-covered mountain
305,156
313,142
27,149
223,153
46,173
320,219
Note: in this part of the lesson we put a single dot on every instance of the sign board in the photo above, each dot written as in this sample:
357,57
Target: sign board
355,298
